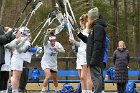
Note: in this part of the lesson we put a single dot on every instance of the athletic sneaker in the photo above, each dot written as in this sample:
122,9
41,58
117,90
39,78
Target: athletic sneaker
103,91
22,90
43,92
57,92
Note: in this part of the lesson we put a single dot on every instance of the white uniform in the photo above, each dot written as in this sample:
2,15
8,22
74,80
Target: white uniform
28,55
7,65
81,54
49,59
18,58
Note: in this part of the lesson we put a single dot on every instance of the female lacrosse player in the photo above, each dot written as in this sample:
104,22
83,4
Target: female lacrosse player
83,70
22,45
49,59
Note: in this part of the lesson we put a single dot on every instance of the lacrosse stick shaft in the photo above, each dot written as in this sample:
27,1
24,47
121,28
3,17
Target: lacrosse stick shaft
72,13
40,30
49,21
25,19
29,19
68,24
32,12
38,26
20,15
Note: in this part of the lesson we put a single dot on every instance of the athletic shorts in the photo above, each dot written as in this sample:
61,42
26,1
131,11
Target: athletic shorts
16,64
81,60
52,71
45,65
78,66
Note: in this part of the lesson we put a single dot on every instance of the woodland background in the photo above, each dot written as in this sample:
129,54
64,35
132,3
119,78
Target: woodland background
122,16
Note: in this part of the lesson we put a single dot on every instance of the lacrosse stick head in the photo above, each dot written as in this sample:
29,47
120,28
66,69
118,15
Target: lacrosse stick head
28,1
61,4
52,16
36,4
65,2
56,6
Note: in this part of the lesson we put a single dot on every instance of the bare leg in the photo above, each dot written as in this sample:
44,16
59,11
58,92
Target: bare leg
15,79
55,82
84,77
79,72
89,83
47,77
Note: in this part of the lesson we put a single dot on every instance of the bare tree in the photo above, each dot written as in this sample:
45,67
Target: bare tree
133,25
91,2
137,27
53,3
2,5
116,24
126,21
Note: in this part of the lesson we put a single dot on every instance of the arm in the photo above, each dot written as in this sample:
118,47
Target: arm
24,48
128,57
4,39
114,57
82,37
98,44
60,48
45,40
20,44
11,45
11,38
76,43
15,44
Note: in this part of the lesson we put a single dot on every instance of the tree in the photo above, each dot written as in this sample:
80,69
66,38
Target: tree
53,3
116,24
137,27
126,22
2,5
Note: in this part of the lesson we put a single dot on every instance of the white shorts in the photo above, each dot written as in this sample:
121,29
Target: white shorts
78,66
16,64
5,67
45,65
81,59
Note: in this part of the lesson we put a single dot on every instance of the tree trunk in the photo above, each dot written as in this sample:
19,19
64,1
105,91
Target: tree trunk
0,10
53,3
116,24
133,23
126,23
137,28
2,5
110,2
91,2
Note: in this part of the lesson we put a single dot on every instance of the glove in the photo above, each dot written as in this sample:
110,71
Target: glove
39,51
33,50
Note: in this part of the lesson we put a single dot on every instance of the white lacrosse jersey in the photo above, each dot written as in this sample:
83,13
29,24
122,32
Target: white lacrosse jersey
49,59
